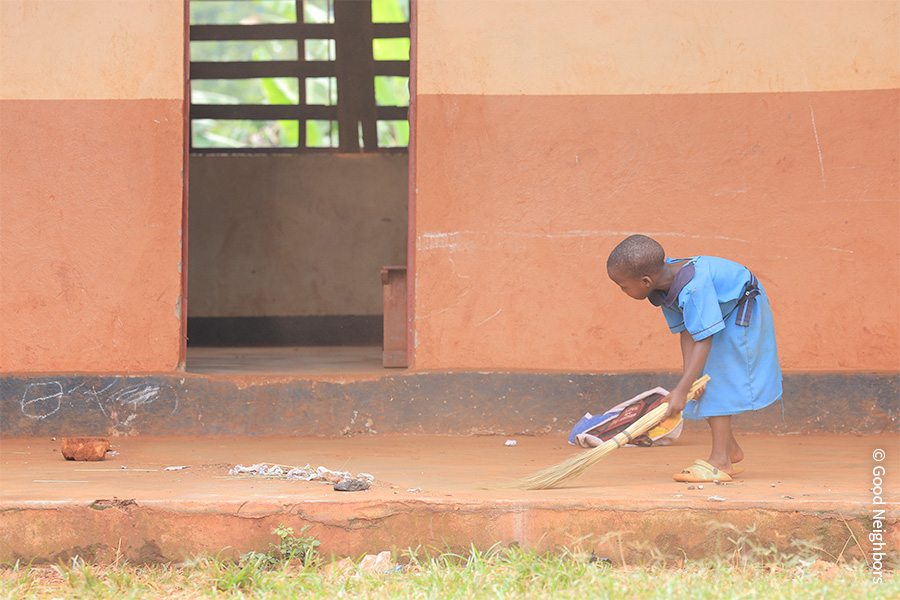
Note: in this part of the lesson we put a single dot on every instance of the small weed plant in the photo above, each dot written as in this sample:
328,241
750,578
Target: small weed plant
301,548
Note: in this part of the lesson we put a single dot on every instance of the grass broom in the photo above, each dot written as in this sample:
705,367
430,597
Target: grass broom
578,464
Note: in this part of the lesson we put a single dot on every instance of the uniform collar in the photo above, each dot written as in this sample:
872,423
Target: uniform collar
682,277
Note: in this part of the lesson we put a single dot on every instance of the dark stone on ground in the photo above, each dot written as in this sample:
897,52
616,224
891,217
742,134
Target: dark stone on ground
351,485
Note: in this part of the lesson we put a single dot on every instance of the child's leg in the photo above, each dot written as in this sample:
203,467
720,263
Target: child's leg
725,449
734,450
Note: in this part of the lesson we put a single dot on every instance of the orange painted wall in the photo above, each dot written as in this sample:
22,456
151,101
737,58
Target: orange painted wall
765,132
91,123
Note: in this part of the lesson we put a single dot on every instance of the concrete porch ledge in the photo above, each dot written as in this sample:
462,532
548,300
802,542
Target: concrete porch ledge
432,493
335,403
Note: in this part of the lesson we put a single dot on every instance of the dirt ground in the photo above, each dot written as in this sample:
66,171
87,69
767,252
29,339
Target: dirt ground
784,471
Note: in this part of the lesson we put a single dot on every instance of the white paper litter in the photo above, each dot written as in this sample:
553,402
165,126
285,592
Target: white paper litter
178,468
307,473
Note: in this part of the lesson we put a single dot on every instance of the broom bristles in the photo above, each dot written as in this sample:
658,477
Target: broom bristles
578,464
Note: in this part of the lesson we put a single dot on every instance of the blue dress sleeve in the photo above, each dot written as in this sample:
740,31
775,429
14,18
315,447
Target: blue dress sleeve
700,306
674,319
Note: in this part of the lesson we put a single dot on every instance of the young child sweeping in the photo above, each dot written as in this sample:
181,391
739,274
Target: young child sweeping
723,317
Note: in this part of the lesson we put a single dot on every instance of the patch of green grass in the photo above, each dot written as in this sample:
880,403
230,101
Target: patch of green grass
497,573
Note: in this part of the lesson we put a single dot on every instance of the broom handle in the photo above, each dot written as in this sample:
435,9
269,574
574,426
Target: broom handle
695,387
654,417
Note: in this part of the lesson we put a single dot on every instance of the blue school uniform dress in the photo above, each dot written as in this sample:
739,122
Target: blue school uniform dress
720,298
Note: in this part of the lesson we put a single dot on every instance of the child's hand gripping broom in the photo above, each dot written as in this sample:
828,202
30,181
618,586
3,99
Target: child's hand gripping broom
578,464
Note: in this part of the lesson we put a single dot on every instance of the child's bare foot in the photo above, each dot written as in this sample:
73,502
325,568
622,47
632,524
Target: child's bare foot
723,465
736,454
725,449
727,465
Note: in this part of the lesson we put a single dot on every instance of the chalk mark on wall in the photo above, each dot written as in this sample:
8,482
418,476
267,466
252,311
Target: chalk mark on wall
812,116
121,401
40,400
462,240
137,395
489,318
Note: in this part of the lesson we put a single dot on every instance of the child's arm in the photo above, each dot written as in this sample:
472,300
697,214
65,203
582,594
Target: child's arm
694,356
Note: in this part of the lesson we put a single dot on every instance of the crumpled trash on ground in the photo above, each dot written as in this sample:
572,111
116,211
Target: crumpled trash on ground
307,473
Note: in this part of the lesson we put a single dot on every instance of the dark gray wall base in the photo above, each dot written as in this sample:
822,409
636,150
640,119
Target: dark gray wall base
456,403
327,330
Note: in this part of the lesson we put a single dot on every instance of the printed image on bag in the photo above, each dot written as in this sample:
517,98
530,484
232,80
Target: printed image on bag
593,430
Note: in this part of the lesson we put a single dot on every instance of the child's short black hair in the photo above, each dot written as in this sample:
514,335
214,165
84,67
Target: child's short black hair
637,255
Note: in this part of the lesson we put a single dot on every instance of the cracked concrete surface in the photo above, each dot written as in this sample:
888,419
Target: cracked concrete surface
129,505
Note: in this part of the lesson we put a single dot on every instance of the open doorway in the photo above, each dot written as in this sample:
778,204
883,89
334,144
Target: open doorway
298,180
